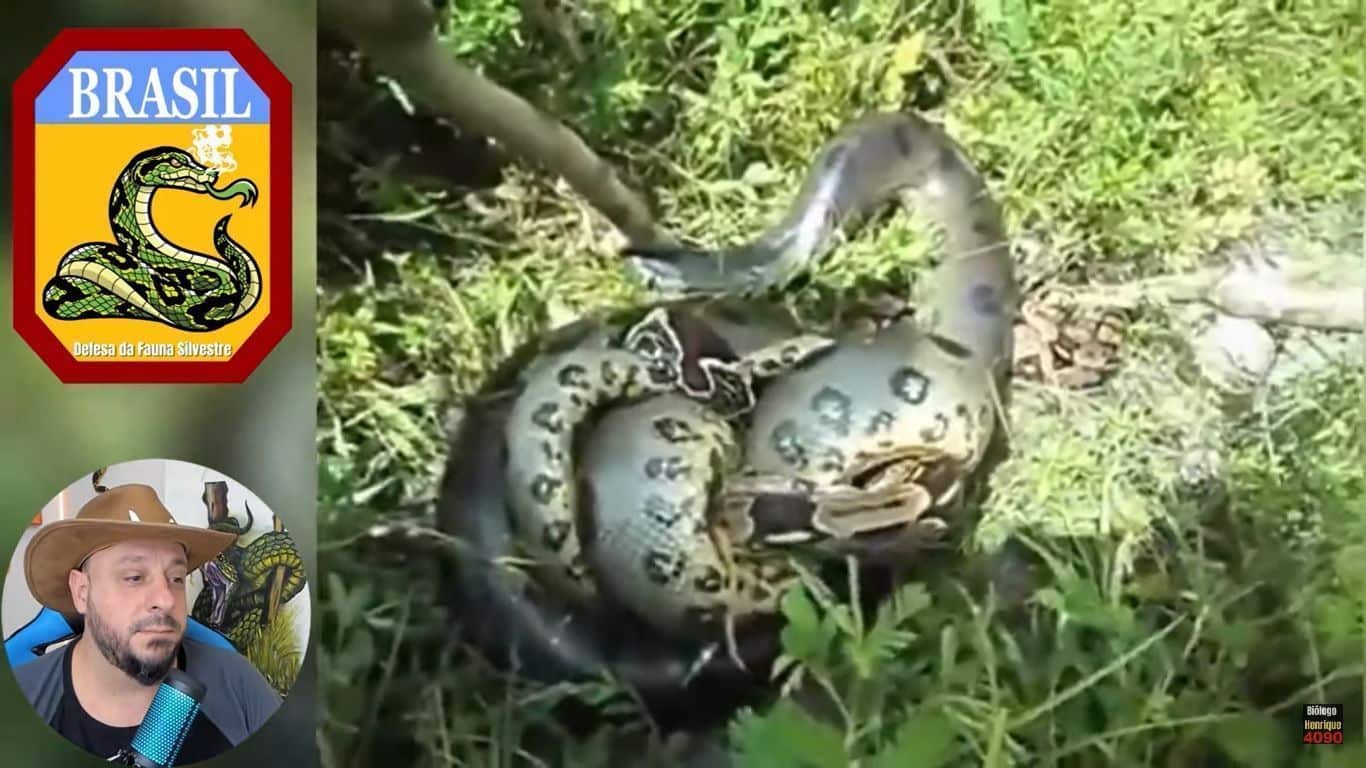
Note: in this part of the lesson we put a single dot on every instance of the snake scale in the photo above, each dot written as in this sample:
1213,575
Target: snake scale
662,460
142,275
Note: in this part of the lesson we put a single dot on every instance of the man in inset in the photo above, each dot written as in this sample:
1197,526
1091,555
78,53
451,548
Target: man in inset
121,563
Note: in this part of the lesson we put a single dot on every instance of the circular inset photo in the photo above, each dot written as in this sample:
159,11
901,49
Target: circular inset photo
156,612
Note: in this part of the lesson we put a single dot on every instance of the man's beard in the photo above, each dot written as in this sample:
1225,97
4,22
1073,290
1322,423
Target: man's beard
119,652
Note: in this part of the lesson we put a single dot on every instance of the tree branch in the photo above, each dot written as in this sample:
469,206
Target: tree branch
400,38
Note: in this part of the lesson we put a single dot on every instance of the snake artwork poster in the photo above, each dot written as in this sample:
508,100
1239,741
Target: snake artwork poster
152,205
249,590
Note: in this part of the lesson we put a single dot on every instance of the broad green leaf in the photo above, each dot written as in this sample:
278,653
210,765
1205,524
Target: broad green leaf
787,737
907,601
805,637
885,638
926,740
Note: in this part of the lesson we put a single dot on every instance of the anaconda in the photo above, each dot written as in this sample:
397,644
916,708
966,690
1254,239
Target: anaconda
859,440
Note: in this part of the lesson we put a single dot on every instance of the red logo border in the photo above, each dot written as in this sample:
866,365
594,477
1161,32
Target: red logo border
278,320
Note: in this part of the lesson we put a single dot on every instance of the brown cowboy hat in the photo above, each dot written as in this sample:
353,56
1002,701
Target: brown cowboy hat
122,513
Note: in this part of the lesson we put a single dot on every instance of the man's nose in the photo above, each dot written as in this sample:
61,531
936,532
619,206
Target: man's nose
163,592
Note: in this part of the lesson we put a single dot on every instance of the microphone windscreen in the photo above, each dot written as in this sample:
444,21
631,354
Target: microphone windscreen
158,740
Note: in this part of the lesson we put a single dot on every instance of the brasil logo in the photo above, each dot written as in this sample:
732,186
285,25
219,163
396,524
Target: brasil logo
152,217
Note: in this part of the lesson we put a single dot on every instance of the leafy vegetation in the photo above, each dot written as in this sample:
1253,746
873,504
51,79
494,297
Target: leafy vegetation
1116,604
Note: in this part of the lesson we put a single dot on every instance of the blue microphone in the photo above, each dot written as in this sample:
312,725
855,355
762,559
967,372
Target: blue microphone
158,740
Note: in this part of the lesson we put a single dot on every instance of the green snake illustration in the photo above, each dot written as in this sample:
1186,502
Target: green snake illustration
141,275
245,586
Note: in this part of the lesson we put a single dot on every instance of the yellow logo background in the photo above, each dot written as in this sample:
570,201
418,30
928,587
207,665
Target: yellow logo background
77,167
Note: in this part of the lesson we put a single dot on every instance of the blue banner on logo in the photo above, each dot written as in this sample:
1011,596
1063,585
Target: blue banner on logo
152,87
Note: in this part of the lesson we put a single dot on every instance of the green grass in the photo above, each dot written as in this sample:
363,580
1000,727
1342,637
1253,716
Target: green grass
1174,622
276,651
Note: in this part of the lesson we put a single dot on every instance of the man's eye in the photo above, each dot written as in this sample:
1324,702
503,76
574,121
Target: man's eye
132,579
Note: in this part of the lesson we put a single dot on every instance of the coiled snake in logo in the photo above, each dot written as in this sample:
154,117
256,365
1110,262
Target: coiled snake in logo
142,276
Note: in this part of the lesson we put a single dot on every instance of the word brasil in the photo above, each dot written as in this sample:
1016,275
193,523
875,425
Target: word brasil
106,92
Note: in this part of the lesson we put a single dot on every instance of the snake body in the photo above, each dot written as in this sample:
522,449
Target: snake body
617,466
928,386
142,275
624,358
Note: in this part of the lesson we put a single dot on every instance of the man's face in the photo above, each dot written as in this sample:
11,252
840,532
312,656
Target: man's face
133,598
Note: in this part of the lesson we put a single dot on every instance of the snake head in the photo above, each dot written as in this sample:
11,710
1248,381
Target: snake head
681,271
174,168
220,589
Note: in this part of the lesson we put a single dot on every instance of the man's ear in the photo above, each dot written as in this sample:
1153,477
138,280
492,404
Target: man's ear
79,584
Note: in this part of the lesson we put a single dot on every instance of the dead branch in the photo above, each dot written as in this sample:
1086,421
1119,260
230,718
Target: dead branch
400,38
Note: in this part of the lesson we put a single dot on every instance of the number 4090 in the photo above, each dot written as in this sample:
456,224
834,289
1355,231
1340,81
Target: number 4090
1323,737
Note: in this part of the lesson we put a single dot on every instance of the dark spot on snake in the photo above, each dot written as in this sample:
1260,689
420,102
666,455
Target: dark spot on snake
731,393
709,582
543,488
786,442
962,410
948,160
985,299
609,374
831,460
937,432
662,511
949,346
882,421
662,567
675,430
205,308
834,409
573,375
555,534
546,416
655,340
576,400
671,467
910,385
984,413
902,136
120,257
553,456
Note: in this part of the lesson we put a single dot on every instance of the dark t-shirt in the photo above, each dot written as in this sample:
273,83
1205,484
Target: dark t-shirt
203,741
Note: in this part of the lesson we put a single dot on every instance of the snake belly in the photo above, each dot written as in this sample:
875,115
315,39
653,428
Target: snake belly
142,275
